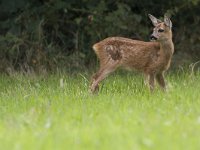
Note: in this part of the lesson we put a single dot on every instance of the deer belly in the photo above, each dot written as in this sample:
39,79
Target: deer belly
134,65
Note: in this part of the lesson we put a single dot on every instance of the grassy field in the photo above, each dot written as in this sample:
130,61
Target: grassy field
56,112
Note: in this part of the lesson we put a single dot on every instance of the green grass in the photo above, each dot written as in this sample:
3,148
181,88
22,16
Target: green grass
39,113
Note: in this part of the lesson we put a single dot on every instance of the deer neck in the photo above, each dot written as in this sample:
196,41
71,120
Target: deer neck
167,47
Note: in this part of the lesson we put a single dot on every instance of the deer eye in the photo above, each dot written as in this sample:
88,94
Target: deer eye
160,30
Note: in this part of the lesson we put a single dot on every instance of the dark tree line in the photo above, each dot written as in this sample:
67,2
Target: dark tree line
40,35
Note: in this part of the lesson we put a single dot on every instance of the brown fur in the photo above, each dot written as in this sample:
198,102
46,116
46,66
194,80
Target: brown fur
150,58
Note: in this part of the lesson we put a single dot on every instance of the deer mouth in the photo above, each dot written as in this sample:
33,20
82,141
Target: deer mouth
153,38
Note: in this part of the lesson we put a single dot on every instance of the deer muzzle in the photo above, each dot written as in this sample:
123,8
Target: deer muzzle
153,38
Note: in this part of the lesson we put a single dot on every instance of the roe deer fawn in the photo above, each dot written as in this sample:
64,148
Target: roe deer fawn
151,58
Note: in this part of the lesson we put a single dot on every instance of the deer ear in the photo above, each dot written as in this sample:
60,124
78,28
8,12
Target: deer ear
167,21
154,20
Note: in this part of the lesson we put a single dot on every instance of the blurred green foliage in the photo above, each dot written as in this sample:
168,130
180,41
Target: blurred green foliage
48,34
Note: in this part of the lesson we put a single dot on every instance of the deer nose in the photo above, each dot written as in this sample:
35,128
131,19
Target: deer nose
152,37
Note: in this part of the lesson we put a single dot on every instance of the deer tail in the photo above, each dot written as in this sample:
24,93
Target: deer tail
101,53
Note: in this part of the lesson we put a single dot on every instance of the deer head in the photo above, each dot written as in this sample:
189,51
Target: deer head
162,30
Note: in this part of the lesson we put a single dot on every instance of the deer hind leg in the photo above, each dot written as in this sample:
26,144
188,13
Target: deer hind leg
103,72
161,81
151,82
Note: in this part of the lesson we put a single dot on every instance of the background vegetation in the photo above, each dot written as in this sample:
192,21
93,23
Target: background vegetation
46,35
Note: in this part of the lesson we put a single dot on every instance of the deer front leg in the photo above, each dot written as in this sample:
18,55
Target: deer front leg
146,79
161,81
151,82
